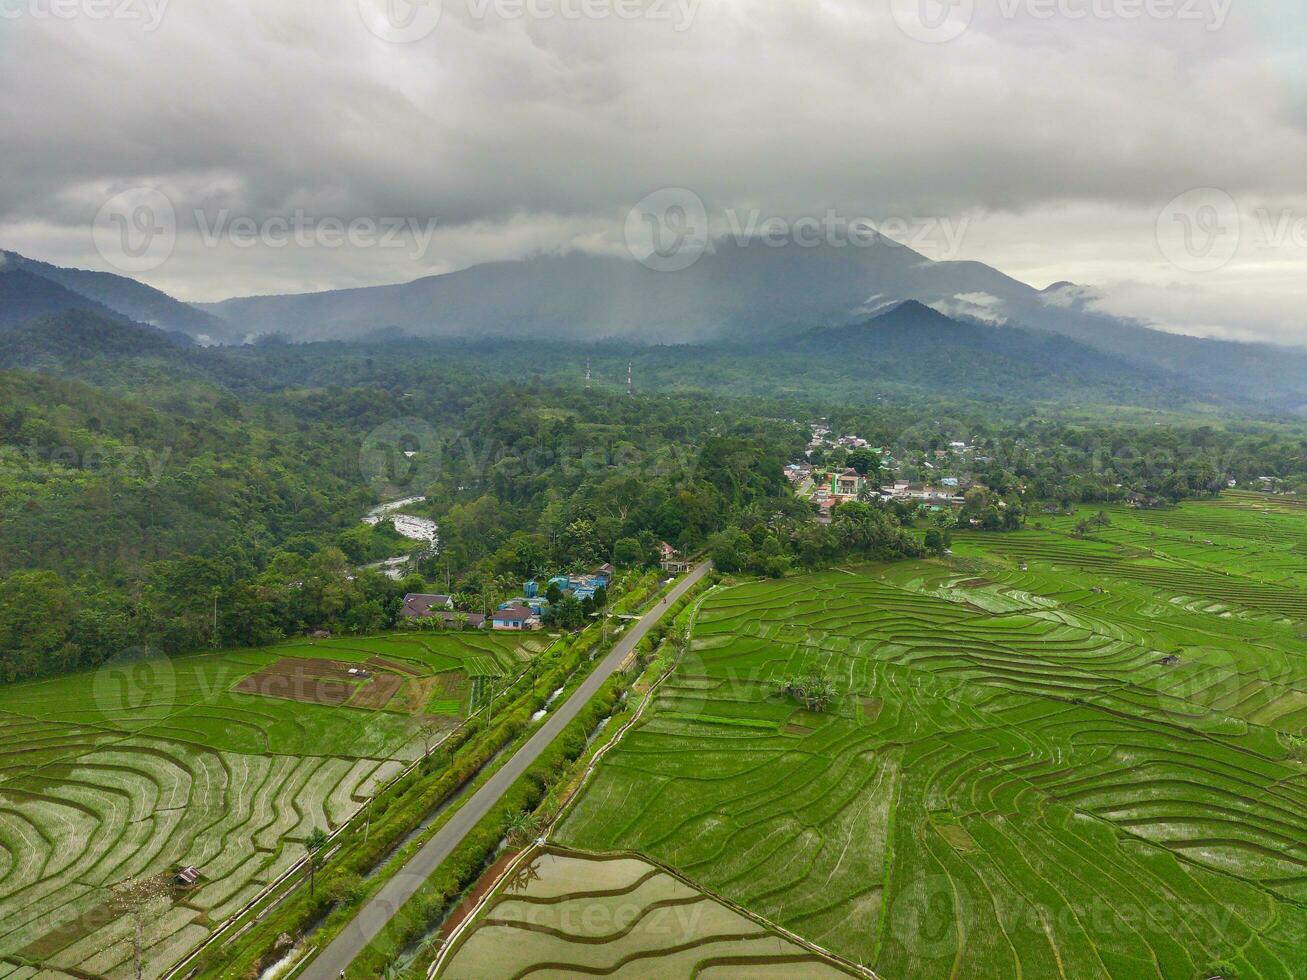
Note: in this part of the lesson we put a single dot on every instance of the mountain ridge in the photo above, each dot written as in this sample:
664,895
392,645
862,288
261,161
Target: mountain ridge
125,296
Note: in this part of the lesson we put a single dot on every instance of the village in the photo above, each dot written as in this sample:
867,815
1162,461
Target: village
839,469
532,610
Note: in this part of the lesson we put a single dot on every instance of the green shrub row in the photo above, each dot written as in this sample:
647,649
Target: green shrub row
394,814
439,893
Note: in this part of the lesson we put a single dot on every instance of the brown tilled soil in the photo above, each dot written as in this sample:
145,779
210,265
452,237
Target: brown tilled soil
418,694
380,663
312,667
314,681
377,691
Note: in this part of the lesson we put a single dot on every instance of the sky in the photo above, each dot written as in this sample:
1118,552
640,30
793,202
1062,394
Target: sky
1153,151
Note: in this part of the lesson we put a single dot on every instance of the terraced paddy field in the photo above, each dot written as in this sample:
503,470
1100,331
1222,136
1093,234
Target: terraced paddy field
224,761
1049,757
567,915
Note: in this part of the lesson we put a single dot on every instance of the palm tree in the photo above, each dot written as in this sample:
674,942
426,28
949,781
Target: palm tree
314,843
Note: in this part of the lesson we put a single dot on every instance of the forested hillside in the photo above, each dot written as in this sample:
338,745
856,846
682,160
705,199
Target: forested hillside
162,495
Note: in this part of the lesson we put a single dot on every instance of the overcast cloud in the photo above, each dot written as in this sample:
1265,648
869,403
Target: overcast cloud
1059,140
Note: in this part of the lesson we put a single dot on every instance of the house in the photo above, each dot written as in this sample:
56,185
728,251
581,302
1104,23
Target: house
671,560
475,621
417,605
515,618
847,484
798,472
536,604
187,876
603,574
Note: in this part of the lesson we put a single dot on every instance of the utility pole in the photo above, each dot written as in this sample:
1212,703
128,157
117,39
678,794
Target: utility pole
587,374
368,826
215,619
630,383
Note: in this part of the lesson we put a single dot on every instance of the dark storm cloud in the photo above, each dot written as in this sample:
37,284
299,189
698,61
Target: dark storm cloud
520,128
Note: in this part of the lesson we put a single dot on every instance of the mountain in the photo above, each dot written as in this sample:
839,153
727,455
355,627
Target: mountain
752,290
71,338
127,297
913,344
24,296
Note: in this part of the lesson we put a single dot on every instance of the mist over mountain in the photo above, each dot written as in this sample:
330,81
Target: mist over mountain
754,291
762,296
122,295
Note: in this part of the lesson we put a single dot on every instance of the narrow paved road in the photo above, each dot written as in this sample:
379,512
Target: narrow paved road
378,911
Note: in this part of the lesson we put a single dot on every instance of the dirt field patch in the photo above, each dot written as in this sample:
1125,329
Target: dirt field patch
297,679
377,691
380,663
418,693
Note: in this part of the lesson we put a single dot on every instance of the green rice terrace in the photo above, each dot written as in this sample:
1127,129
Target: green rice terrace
567,915
1054,753
225,762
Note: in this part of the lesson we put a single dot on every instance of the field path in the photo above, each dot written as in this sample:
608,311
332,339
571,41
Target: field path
374,915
